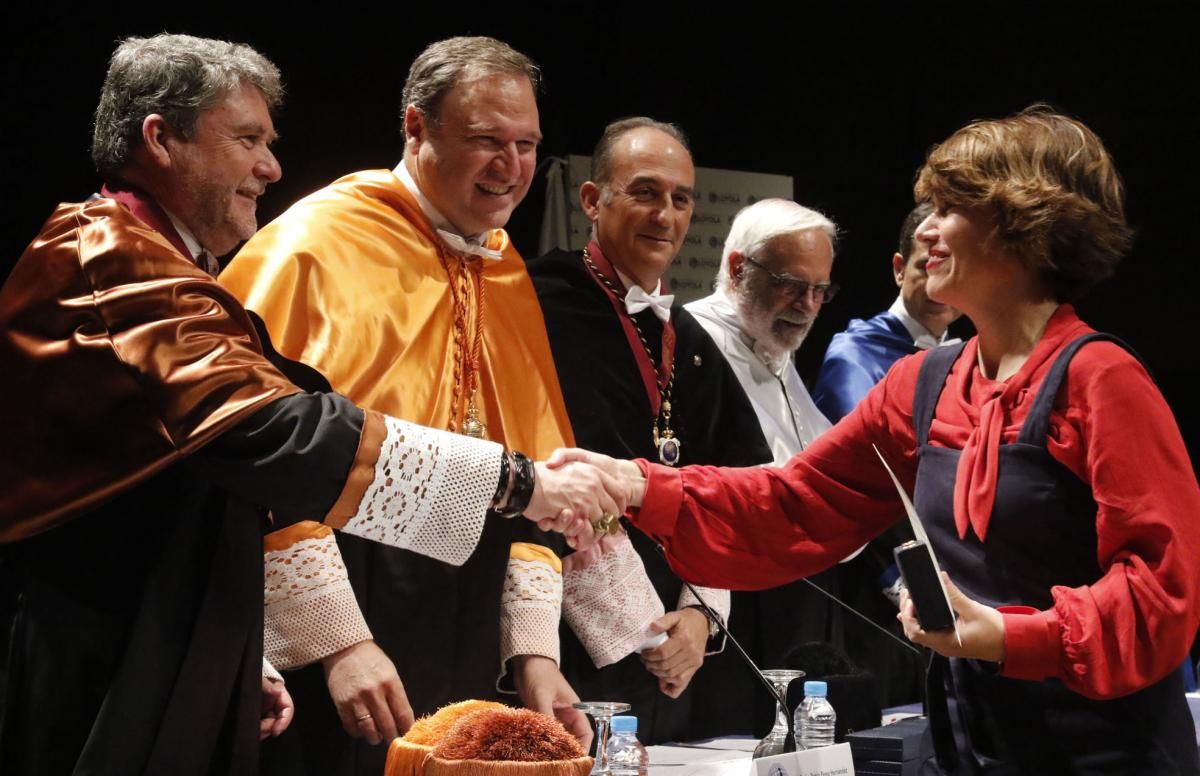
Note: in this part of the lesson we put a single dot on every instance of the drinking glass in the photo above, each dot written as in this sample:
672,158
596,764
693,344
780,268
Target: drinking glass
775,741
601,713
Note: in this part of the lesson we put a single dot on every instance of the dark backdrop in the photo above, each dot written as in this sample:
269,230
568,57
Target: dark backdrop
845,99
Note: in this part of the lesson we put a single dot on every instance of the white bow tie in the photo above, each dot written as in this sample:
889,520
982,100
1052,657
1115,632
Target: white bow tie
459,245
636,300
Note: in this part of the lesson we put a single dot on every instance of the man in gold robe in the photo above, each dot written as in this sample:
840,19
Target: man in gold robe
402,289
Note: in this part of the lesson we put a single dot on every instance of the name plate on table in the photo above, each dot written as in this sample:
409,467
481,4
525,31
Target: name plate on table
833,760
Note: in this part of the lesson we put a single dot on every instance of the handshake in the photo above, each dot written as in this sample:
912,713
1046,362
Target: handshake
580,494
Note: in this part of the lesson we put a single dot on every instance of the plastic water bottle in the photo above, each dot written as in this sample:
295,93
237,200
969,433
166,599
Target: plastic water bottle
626,755
815,718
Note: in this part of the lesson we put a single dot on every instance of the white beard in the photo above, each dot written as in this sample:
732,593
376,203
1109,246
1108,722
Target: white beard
768,330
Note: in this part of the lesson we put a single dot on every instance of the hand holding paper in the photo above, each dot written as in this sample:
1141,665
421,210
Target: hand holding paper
978,629
910,559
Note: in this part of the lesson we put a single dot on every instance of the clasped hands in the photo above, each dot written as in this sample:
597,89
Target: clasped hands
574,489
676,660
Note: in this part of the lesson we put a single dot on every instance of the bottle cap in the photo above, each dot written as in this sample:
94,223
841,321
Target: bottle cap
816,689
624,724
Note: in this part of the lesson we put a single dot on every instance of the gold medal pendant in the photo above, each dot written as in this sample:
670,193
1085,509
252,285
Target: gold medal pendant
668,447
472,425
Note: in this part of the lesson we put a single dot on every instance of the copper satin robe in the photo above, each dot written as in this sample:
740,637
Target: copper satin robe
142,425
103,326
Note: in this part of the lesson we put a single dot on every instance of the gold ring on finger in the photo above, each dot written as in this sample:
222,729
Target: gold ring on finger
608,523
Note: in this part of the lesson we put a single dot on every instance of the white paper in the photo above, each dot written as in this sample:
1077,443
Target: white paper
776,765
651,641
833,760
699,760
919,532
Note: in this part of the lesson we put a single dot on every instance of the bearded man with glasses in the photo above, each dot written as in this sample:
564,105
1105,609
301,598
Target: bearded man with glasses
774,277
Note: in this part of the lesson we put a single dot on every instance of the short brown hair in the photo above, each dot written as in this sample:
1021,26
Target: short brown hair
601,170
1051,186
447,63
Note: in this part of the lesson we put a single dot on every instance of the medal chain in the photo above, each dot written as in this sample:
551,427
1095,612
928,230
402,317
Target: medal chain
664,394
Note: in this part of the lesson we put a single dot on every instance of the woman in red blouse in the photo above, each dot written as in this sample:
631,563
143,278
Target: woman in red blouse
1047,468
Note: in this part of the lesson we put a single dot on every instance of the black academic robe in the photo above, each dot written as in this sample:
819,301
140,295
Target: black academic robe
718,426
421,627
611,413
137,645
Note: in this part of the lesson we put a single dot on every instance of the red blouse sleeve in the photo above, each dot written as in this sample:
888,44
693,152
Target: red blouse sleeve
755,528
1136,623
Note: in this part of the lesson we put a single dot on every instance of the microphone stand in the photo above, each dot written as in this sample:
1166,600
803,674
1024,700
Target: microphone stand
789,743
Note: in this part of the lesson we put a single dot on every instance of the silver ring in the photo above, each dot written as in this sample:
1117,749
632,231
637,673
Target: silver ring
363,717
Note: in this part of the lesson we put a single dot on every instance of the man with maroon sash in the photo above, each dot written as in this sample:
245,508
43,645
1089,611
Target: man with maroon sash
624,356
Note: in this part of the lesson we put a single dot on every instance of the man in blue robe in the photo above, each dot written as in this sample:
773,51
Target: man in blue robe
860,356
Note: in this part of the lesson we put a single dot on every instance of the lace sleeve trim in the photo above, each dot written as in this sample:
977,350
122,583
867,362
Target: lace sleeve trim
608,600
311,612
428,492
529,609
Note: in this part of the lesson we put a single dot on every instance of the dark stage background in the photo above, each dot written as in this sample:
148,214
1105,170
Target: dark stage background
845,99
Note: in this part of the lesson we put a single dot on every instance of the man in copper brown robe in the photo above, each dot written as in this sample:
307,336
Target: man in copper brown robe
149,442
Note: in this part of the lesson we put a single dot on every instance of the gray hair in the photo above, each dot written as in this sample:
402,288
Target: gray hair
447,63
758,224
601,171
178,77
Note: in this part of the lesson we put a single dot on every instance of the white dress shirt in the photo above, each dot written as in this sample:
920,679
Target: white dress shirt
459,244
786,413
922,337
203,259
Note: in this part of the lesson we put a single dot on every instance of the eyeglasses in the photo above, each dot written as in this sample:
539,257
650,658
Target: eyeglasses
793,289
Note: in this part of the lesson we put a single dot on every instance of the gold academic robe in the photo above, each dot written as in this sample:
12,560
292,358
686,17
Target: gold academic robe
350,281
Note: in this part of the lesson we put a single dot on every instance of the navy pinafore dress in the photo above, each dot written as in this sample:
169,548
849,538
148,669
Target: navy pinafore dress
1042,532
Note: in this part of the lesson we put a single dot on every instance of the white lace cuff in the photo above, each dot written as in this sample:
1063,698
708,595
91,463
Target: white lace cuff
718,600
418,488
311,611
608,600
530,605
